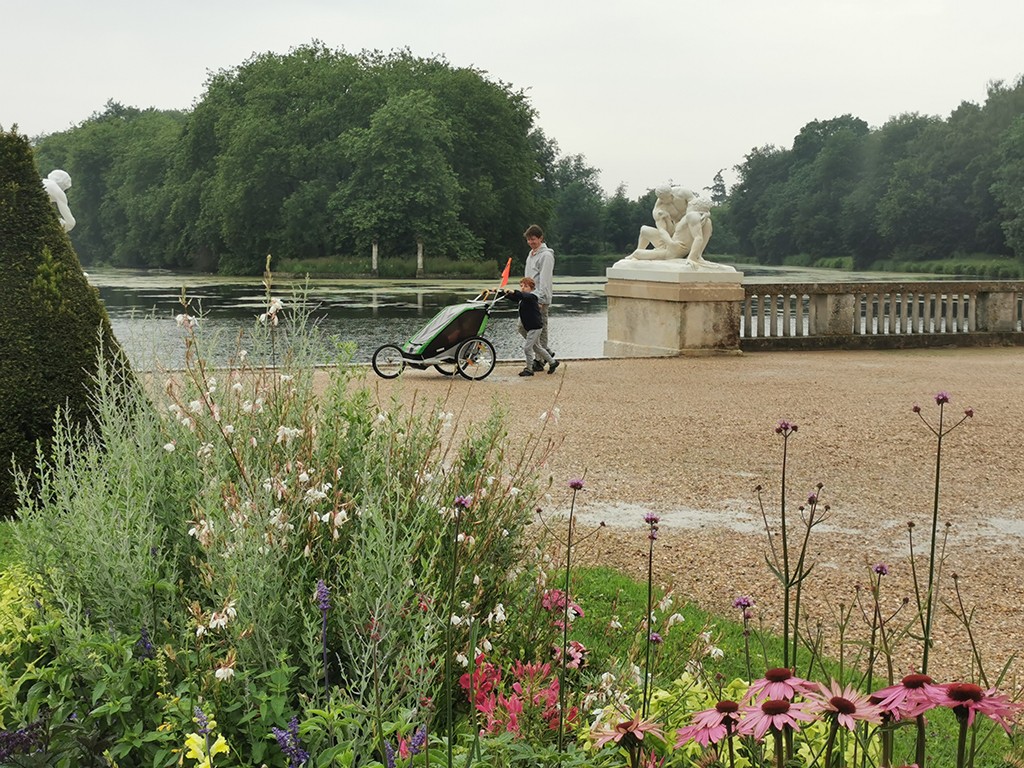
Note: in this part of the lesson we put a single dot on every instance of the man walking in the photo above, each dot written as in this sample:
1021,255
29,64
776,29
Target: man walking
540,267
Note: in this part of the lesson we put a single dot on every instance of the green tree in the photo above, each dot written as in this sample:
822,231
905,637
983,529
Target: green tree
402,188
52,322
1008,187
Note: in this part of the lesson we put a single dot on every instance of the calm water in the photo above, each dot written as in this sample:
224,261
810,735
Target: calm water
142,309
142,306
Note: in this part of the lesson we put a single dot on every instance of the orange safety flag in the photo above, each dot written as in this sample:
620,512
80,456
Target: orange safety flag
504,275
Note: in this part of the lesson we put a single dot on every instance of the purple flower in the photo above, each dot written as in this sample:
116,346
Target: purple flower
202,722
812,499
881,569
942,398
289,743
969,413
20,741
419,739
785,428
743,602
916,408
463,502
655,638
576,484
651,519
144,646
323,596
389,754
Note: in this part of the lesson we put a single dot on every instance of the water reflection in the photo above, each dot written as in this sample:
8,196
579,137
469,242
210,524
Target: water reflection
367,314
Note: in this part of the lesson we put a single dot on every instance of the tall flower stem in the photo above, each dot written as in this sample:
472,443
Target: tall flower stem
576,485
930,599
780,750
652,523
460,504
833,731
961,744
785,560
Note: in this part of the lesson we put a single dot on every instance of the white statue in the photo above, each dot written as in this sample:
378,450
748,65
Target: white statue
682,228
56,184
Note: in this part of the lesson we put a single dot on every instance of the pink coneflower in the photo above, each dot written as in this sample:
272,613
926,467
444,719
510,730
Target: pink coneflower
710,726
846,705
912,696
967,699
778,683
776,714
628,733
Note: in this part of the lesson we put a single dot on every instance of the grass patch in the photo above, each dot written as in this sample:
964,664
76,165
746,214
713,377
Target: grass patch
390,268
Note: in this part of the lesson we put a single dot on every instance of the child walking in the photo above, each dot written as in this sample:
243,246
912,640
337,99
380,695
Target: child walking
533,322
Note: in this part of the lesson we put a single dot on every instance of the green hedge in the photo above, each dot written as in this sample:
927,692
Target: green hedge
50,318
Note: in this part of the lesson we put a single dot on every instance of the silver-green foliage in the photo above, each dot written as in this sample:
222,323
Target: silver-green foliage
207,509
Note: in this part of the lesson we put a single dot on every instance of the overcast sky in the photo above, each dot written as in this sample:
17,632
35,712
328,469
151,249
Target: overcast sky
649,92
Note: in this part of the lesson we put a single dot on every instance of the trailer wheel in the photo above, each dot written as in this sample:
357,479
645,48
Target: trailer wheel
388,361
447,368
476,358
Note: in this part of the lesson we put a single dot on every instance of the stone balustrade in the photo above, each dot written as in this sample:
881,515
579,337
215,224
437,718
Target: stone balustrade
876,315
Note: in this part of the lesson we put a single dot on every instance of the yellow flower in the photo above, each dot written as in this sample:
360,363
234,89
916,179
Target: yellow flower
220,747
195,747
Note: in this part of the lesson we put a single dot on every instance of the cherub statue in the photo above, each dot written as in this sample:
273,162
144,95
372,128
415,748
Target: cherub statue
56,184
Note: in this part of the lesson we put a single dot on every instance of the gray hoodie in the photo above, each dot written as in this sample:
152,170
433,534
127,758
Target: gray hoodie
541,266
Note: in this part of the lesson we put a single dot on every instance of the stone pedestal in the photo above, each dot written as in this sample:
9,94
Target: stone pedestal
660,313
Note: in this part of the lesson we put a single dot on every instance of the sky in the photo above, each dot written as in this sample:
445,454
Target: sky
649,92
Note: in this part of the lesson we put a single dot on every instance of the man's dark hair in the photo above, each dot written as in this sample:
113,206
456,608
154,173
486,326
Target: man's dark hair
534,230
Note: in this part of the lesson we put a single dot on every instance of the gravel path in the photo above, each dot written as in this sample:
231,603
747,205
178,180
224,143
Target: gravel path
690,438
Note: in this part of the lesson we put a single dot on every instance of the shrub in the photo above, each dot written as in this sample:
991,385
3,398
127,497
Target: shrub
50,323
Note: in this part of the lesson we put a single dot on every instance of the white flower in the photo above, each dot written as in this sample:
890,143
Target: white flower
287,434
224,673
205,451
211,385
303,477
200,630
497,616
218,620
461,658
456,620
665,603
242,355
513,491
196,406
169,447
186,321
286,377
174,408
247,406
675,618
715,652
615,623
236,387
382,416
229,429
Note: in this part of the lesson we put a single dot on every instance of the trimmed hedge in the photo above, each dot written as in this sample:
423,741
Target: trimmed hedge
50,318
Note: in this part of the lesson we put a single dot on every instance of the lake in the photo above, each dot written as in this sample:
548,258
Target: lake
368,313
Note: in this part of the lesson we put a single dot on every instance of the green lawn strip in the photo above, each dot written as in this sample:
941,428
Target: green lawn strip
604,593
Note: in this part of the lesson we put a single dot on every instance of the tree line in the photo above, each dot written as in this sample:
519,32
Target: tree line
918,189
318,153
